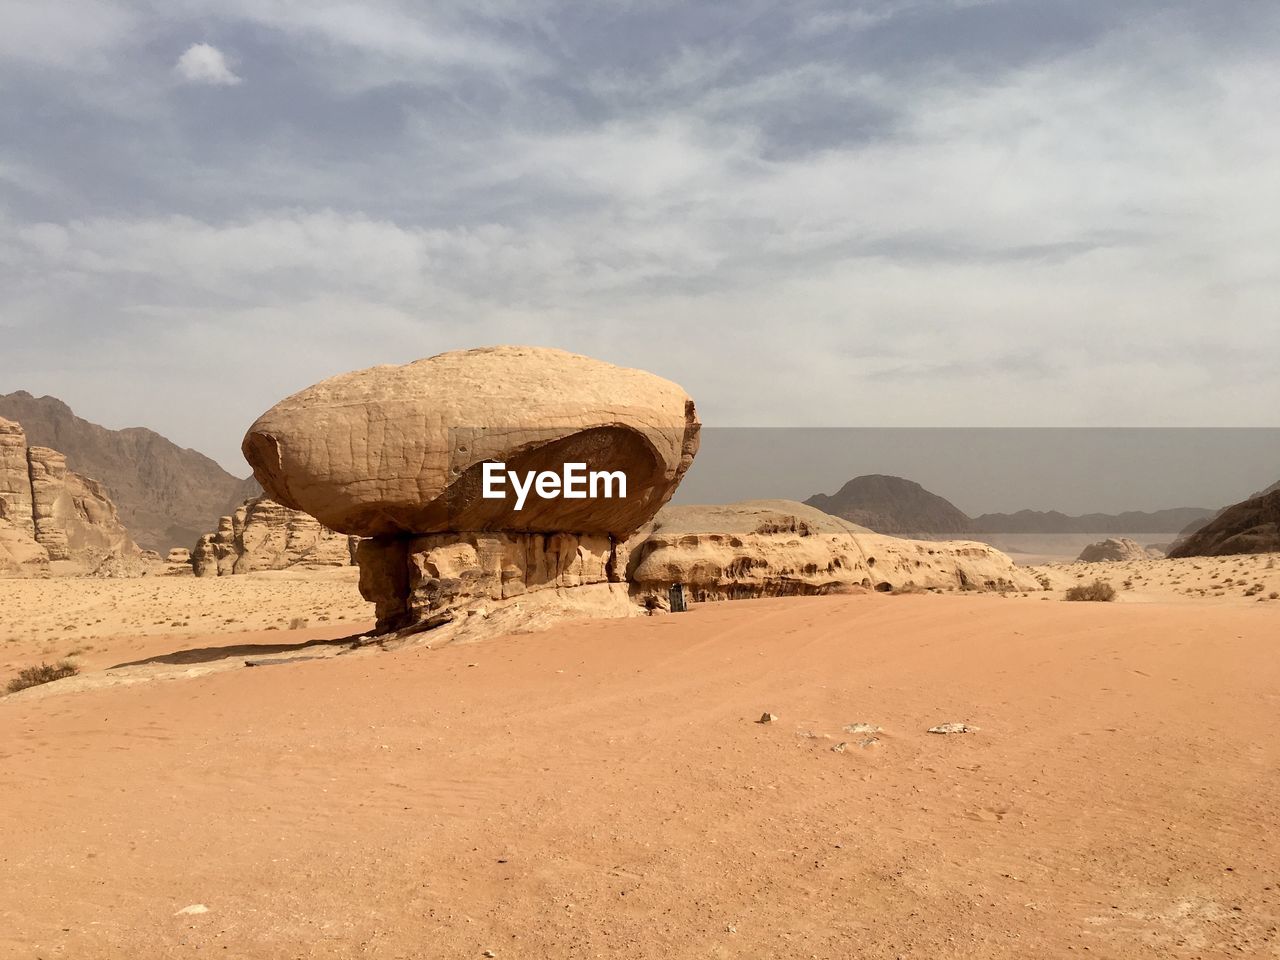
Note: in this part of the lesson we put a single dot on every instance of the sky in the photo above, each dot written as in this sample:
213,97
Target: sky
894,213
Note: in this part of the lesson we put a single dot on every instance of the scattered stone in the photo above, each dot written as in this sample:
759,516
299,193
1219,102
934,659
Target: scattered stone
861,728
840,747
195,908
953,728
768,718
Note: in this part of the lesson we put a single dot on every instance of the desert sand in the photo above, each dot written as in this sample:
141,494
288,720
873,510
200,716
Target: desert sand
603,788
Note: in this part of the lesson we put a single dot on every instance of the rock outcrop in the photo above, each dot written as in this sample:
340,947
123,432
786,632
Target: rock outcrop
767,548
396,455
265,535
53,520
166,495
1114,549
894,506
1252,526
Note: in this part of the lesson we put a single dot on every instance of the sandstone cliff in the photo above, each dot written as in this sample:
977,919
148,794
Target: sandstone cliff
53,520
264,535
166,496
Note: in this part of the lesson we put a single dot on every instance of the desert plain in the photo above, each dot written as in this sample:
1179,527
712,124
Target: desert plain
604,788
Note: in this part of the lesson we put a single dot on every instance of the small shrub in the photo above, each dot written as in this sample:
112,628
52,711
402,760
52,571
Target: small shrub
1099,590
45,673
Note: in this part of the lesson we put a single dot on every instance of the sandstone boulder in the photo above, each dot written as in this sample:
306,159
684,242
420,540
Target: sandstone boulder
398,450
1114,549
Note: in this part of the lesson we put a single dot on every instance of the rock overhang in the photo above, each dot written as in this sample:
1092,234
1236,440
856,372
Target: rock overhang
397,451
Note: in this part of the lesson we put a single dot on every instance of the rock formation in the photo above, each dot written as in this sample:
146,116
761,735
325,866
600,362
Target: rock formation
1252,526
54,520
1114,549
394,451
265,535
893,505
397,455
780,548
166,495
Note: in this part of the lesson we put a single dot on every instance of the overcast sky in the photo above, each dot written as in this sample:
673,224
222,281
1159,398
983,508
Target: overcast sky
906,212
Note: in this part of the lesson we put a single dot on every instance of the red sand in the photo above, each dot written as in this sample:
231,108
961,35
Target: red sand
601,790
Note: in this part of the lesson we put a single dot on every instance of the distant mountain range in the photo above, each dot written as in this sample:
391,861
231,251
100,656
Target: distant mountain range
1051,521
167,496
900,507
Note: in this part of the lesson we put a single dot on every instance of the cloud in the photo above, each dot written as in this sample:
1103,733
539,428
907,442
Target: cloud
804,215
205,64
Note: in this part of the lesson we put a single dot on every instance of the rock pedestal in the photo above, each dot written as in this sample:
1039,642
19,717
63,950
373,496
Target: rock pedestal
420,579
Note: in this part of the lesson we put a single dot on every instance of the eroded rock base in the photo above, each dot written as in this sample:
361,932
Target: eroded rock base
427,580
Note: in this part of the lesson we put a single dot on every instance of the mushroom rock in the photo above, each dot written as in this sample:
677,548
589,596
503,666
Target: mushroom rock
398,454
396,450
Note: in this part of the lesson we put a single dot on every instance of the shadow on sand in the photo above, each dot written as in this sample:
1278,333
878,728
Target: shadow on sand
208,654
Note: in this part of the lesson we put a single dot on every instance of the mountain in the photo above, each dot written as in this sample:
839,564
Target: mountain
1051,521
896,506
1252,526
1198,524
892,505
167,496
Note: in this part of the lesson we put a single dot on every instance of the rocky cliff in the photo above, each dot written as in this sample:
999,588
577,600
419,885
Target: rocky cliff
166,496
53,520
262,534
1252,526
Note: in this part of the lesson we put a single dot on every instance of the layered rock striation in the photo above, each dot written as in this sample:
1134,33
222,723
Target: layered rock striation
768,548
265,535
53,520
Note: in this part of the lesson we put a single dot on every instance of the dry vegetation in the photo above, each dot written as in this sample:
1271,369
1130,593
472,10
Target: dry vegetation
1100,591
43,673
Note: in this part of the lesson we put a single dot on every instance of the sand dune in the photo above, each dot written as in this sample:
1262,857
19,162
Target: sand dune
603,789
